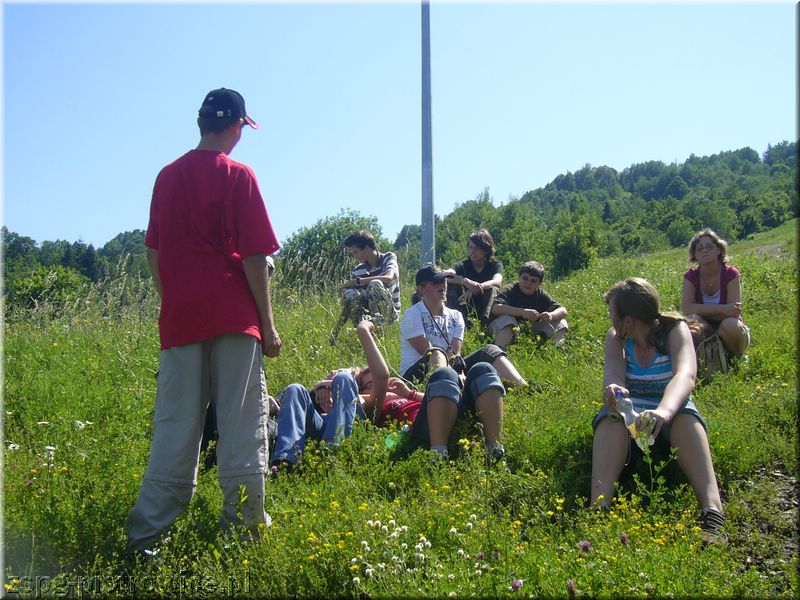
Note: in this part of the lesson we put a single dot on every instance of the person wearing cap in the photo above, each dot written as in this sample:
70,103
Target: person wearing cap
207,242
432,334
476,278
431,338
373,290
526,300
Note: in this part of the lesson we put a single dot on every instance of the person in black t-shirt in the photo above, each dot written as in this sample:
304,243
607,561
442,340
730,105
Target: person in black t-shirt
526,300
476,279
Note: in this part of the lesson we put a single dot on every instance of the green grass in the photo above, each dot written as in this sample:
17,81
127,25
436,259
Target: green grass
80,381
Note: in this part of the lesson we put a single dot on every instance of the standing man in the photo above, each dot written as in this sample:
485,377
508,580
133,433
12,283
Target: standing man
207,242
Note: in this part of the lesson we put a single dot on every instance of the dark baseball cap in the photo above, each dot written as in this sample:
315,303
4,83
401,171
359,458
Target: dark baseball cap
224,103
430,273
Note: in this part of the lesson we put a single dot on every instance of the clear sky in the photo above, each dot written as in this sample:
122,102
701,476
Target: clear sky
98,97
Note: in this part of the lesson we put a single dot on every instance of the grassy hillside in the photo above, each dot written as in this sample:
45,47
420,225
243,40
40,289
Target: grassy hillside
78,402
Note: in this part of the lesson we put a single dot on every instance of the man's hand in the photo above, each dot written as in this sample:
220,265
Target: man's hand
271,343
398,387
545,317
530,314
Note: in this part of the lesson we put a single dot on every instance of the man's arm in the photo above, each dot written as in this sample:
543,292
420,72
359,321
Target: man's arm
152,261
257,273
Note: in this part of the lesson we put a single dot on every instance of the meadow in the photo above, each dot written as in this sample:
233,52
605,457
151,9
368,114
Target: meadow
360,521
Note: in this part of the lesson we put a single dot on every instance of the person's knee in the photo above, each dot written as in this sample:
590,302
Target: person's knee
444,384
483,377
376,285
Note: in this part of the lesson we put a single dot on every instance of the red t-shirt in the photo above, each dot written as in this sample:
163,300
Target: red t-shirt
207,214
402,410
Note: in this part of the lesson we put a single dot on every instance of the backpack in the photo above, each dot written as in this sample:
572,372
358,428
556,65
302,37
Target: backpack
711,357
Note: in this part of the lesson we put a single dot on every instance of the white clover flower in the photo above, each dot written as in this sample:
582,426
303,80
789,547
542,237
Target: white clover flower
427,544
394,535
364,543
366,549
451,577
370,523
353,561
385,529
395,558
13,446
419,556
419,547
460,553
377,524
469,526
392,523
473,517
451,595
368,572
404,528
478,572
404,546
381,566
453,531
423,539
356,581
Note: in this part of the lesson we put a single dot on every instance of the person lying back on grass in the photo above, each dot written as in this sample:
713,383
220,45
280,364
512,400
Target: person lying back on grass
525,299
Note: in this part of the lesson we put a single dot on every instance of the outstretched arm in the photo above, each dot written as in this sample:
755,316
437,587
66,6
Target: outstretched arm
376,363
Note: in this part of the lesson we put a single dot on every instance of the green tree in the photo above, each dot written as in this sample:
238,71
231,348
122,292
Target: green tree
314,258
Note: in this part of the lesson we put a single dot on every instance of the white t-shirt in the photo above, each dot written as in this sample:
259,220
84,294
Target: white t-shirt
418,321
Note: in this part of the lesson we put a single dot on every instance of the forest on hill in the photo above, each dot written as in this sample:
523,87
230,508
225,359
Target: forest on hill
592,213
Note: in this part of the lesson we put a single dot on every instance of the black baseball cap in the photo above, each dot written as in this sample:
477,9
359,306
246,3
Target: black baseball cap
224,103
430,273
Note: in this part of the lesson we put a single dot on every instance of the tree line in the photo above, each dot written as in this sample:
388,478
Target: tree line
577,217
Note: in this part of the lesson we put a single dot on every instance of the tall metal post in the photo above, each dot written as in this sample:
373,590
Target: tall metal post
427,223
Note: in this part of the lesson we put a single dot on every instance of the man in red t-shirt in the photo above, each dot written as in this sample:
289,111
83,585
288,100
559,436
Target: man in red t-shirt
207,242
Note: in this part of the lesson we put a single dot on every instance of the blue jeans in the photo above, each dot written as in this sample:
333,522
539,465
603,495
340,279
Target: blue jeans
444,382
299,419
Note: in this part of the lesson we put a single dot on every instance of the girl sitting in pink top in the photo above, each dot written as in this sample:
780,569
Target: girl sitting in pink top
712,292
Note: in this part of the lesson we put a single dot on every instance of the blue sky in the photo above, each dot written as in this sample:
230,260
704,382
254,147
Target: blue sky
98,97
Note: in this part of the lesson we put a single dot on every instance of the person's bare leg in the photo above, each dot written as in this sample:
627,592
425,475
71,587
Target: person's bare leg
732,333
437,360
442,413
504,337
694,457
610,448
508,372
490,413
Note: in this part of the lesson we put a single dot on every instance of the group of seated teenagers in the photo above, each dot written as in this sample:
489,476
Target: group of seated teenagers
649,359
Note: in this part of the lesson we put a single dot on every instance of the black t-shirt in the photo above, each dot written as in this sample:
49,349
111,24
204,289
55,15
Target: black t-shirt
512,296
465,268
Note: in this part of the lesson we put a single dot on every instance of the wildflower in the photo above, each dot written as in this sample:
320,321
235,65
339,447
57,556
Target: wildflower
451,595
377,524
460,553
451,577
364,543
274,468
473,517
571,587
370,523
453,531
419,556
495,554
404,528
368,573
585,545
515,585
13,446
427,544
384,529
480,554
404,546
356,581
418,547
469,526
353,561
392,523
623,538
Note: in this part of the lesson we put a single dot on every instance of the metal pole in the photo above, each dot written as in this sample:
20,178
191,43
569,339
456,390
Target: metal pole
427,224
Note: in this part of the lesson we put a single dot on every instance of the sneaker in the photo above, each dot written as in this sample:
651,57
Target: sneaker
711,522
495,454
